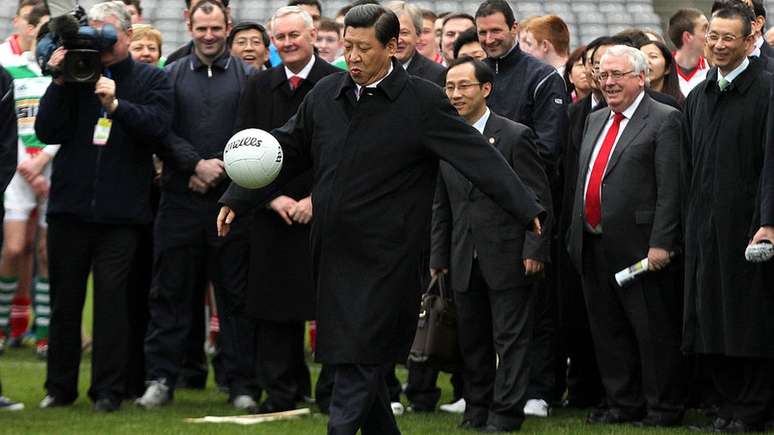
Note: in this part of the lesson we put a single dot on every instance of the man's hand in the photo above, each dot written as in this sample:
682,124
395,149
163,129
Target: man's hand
210,171
657,259
284,206
198,185
764,233
532,267
106,92
32,167
536,227
55,63
225,217
40,187
434,271
302,213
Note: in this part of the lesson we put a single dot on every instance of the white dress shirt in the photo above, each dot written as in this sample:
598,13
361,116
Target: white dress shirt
304,73
736,71
372,85
628,113
481,123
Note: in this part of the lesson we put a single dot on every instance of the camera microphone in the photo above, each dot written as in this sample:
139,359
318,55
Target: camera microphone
66,26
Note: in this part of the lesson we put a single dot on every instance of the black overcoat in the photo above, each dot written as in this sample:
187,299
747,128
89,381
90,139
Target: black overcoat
279,284
375,164
728,301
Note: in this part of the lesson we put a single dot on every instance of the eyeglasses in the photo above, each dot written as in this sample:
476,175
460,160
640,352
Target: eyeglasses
727,38
615,75
462,87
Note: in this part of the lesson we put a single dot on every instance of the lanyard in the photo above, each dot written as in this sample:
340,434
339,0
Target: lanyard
103,111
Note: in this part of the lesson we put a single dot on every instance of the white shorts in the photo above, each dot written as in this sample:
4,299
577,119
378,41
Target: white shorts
19,200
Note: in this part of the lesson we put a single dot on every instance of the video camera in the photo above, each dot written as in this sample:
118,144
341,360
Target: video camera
83,43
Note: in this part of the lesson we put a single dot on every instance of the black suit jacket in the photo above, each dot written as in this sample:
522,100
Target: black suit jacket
8,131
640,188
465,219
425,68
375,166
280,286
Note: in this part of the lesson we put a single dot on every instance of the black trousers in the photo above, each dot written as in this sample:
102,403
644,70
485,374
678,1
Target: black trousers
745,386
494,324
188,254
361,401
137,307
584,385
543,347
637,333
323,389
280,351
422,390
74,250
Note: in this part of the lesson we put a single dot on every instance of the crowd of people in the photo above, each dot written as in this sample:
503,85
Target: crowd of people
476,149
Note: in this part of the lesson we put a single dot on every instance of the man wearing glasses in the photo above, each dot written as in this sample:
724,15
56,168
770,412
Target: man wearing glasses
728,301
626,208
493,271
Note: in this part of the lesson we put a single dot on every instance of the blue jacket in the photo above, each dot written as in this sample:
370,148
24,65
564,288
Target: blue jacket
105,184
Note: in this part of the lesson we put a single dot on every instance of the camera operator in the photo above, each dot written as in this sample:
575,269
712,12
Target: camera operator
99,197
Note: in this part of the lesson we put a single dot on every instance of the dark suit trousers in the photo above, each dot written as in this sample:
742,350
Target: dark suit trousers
494,324
74,250
745,386
361,401
543,345
422,390
280,350
636,332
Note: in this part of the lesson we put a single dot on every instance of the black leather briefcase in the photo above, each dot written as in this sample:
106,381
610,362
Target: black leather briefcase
435,343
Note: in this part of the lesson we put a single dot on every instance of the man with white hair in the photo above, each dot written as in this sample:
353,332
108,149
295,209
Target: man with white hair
410,17
626,208
98,201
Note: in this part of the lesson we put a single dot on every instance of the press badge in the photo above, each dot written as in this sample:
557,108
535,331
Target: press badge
102,131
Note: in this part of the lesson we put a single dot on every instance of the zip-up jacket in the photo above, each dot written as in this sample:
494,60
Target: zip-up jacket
107,184
206,104
533,93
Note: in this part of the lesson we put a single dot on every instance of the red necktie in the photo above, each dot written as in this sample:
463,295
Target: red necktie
295,82
593,203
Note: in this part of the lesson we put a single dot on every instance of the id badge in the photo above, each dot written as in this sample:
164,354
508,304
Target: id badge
102,131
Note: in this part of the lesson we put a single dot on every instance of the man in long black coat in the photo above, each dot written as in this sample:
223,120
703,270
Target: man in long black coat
373,138
280,292
729,301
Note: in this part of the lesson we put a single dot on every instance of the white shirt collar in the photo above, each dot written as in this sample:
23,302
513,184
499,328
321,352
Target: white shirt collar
756,51
376,83
594,101
408,62
735,73
304,73
481,123
629,112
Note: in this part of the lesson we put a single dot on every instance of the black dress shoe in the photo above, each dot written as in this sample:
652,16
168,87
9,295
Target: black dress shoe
492,428
611,416
653,420
268,407
106,404
718,425
471,425
738,426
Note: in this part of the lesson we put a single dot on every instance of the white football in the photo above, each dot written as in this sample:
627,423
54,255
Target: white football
253,158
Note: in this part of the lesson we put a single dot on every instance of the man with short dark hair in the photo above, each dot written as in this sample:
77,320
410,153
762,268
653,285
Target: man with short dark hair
135,10
99,196
187,48
467,44
687,30
23,37
249,41
492,271
329,43
312,7
374,136
728,303
453,25
207,85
